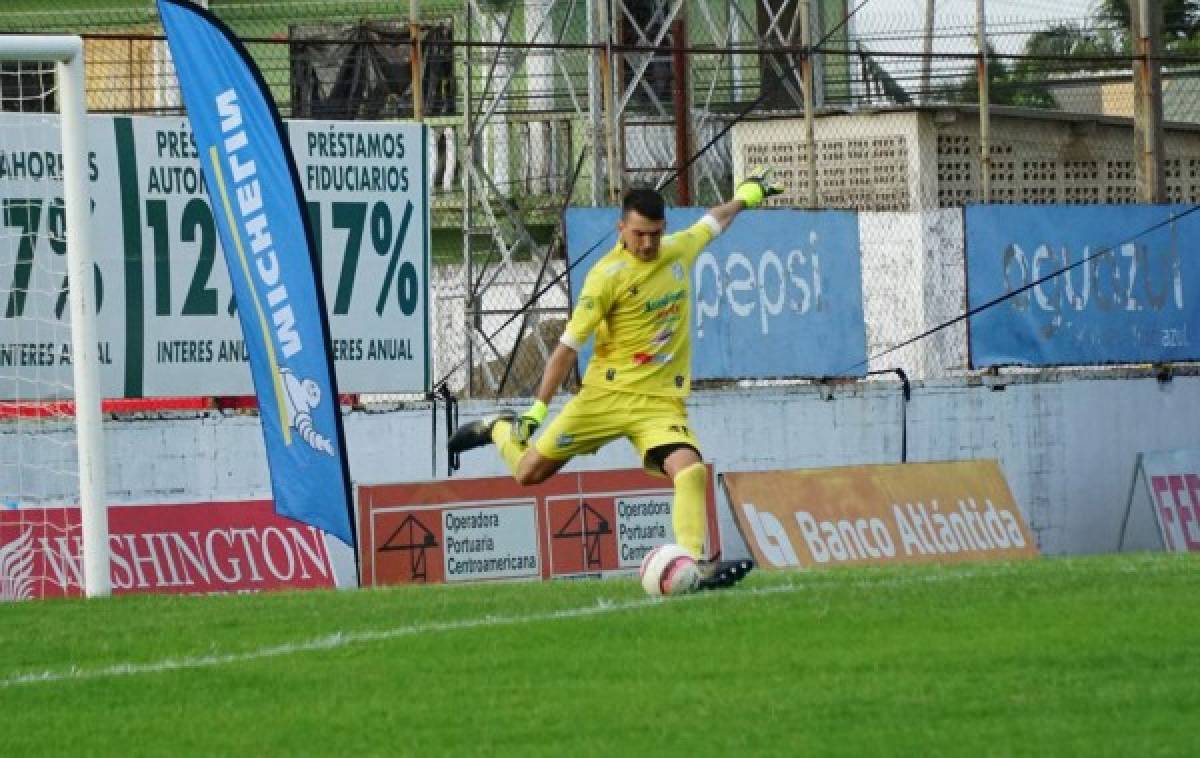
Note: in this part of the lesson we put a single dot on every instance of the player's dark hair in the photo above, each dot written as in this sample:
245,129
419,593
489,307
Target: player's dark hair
647,202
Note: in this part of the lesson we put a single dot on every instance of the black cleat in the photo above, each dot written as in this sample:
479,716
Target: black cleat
476,433
718,575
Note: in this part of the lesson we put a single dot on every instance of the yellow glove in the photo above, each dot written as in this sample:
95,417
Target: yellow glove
528,422
756,187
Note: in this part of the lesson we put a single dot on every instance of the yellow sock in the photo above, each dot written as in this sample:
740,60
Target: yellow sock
688,513
510,450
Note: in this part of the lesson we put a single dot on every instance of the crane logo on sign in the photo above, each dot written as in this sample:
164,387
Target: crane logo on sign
16,568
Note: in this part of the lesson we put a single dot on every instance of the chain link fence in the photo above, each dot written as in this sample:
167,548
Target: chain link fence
539,105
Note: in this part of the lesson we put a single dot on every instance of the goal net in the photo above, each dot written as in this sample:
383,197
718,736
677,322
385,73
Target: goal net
53,522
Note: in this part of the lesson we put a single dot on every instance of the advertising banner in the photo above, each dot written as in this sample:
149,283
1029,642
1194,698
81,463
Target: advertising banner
167,319
1172,482
180,548
880,514
272,260
35,344
1133,304
779,293
592,523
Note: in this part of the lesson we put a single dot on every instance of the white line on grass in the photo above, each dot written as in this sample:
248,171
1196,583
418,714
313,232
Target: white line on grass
345,639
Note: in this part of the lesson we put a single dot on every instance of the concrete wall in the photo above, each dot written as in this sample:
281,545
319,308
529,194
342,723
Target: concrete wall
1067,447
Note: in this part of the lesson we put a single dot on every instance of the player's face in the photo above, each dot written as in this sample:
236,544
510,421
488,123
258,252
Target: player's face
640,235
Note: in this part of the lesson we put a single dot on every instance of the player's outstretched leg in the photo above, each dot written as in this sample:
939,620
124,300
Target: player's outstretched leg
475,434
718,575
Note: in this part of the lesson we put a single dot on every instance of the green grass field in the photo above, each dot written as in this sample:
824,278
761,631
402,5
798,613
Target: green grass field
1096,656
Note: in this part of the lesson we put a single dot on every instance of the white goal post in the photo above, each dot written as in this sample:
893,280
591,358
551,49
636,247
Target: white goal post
66,54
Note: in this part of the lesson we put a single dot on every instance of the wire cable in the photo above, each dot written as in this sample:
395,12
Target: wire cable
1023,288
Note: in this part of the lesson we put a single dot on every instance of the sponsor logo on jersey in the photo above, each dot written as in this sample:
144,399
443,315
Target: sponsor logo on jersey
669,315
659,303
641,359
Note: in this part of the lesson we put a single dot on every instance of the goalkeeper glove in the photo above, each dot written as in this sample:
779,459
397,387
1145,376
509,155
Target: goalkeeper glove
529,421
757,187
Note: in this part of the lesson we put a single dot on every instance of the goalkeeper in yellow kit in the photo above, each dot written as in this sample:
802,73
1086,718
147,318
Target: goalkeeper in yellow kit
637,301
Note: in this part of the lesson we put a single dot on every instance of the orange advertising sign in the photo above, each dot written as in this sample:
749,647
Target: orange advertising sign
898,513
589,523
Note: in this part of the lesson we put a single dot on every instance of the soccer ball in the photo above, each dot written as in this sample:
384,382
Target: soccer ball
668,570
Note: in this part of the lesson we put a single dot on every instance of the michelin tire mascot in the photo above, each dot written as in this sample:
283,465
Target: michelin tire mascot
303,395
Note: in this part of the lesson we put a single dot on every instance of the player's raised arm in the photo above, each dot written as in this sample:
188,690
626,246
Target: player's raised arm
750,193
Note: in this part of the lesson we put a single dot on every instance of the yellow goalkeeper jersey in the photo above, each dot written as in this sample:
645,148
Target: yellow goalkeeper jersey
641,316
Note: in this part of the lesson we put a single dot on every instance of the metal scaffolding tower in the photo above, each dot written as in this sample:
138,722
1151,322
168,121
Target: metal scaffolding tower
569,102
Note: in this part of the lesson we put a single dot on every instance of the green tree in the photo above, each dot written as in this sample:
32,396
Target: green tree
1007,85
1114,35
1066,49
1180,21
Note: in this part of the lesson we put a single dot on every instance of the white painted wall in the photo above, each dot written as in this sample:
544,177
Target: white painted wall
1067,447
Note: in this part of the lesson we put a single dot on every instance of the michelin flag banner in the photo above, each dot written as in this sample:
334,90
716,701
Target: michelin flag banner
1133,304
258,204
778,294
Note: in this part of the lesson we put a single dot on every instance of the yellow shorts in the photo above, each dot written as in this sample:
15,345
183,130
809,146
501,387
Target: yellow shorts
595,417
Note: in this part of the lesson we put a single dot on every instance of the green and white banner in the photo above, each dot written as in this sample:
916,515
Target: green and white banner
167,322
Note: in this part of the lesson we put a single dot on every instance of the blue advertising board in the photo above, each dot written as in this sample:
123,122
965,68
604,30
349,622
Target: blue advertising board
778,294
1128,297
